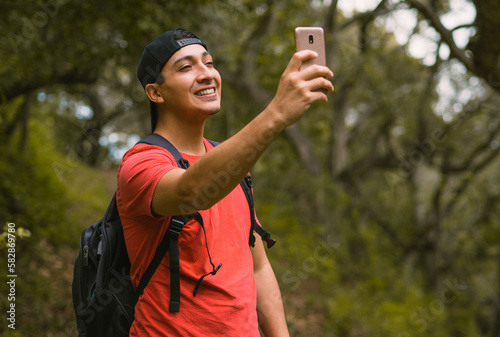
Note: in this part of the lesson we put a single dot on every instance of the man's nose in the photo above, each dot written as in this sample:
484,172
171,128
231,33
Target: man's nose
205,73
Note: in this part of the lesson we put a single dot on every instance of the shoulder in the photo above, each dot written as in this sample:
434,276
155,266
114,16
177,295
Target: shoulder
139,172
143,164
146,152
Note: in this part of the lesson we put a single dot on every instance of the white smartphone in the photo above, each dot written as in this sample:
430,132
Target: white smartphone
312,38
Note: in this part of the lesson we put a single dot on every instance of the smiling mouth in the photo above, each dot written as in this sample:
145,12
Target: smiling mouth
205,92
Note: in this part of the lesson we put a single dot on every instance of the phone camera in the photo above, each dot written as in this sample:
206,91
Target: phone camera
311,39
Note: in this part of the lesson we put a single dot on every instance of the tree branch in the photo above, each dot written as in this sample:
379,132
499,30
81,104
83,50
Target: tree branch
304,148
468,161
467,180
21,118
423,103
25,85
370,210
446,35
249,64
381,9
471,170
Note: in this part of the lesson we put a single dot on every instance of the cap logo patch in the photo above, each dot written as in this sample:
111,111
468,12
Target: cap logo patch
185,42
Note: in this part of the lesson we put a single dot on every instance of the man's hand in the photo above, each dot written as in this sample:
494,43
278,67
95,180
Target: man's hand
297,89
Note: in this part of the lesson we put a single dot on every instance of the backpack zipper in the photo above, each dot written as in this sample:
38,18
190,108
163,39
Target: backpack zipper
85,263
86,256
99,246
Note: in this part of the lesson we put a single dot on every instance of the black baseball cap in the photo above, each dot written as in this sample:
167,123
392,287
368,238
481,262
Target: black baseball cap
157,54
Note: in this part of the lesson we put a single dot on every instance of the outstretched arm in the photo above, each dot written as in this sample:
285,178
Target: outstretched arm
221,169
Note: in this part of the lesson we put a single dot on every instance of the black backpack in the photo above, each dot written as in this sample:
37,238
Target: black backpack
103,295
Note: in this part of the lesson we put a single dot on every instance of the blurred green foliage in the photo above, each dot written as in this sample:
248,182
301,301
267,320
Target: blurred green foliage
52,197
384,201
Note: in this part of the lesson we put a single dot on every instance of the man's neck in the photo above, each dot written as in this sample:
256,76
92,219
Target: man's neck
186,137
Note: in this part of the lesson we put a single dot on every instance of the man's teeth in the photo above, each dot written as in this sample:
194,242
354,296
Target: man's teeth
205,92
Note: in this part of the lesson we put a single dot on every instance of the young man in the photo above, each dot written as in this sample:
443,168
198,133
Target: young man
184,88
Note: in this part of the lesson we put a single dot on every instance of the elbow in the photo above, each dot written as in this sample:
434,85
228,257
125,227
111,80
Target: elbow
177,194
194,198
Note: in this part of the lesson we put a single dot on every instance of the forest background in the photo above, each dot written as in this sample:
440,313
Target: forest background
384,201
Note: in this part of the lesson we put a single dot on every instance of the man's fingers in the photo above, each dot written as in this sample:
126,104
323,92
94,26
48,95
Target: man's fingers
298,89
299,57
320,84
314,71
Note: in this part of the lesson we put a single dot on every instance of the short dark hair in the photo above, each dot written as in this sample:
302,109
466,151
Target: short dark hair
180,34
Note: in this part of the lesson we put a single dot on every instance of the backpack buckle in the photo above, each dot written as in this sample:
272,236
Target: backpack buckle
176,226
270,241
184,163
248,180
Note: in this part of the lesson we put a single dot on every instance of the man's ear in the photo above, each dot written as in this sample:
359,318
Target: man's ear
153,93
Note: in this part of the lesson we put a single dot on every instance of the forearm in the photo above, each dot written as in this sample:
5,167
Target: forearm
270,309
223,168
219,171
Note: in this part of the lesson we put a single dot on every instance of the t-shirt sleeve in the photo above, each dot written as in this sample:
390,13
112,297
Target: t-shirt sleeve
139,173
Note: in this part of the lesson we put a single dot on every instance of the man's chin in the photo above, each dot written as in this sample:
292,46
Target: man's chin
211,112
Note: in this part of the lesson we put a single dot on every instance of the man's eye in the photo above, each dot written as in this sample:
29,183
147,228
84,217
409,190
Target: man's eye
186,67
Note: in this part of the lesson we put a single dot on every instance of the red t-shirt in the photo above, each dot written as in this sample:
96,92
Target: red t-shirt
225,304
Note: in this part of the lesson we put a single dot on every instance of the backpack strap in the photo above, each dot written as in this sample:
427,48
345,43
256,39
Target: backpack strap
246,184
174,230
170,241
156,139
148,274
